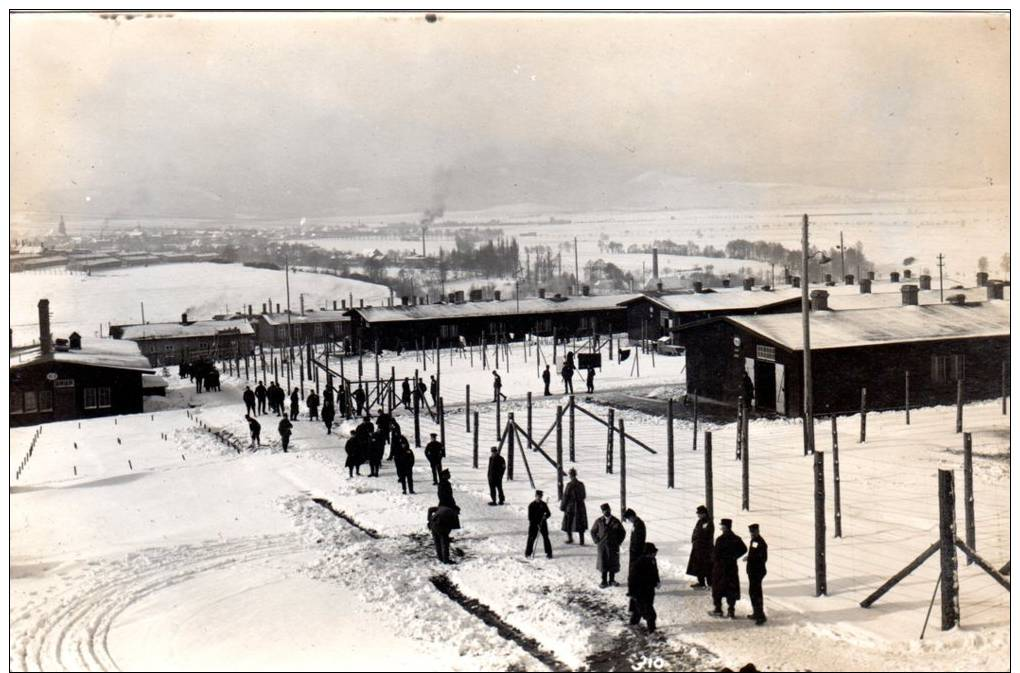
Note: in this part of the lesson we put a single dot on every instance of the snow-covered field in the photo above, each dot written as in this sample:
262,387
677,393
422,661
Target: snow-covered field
197,556
81,303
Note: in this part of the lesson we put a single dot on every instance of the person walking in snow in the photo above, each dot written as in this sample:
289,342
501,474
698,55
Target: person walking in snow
638,537
538,515
497,468
641,584
295,405
405,393
608,533
568,377
445,494
260,395
497,387
699,564
384,424
434,390
376,453
757,557
546,379
441,521
434,453
403,460
255,429
312,402
725,578
328,414
354,455
285,428
249,401
575,514
359,400
591,380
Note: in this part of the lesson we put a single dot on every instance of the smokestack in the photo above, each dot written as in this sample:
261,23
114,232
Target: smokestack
894,277
849,279
819,300
994,289
865,286
655,262
541,293
982,279
748,283
697,285
45,338
925,282
909,295
585,291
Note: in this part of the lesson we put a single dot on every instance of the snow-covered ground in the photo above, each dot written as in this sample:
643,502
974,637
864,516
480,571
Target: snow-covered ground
80,302
197,556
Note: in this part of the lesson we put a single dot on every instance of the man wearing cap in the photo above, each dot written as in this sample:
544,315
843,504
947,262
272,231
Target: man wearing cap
538,514
608,533
441,521
725,577
641,585
757,557
700,563
434,453
575,514
497,467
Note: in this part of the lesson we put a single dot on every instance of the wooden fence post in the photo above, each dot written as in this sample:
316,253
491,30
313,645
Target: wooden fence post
559,452
820,581
609,445
1003,388
570,427
709,494
947,544
906,394
694,442
959,405
740,425
968,493
623,468
474,453
669,443
529,415
441,413
835,478
510,446
417,411
499,416
467,408
864,415
745,468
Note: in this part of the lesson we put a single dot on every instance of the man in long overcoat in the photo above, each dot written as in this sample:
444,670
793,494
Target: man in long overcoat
403,460
638,535
700,563
641,585
608,533
757,557
497,467
575,515
725,577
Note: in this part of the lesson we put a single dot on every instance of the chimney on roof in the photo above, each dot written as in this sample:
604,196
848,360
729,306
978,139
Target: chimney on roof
334,304
361,303
956,299
184,318
865,286
404,300
496,295
748,283
451,297
658,286
263,307
894,277
655,262
982,279
725,282
786,275
906,273
277,307
343,305
697,286
819,300
909,295
541,293
45,338
249,310
460,296
586,290
871,275
795,281
828,278
848,279
475,295
994,289
74,341
925,281
302,299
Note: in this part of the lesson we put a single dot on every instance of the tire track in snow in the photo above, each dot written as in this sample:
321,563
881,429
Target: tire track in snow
73,635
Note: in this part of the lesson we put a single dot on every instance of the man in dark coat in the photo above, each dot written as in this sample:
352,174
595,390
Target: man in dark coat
641,585
638,535
497,467
255,428
748,387
249,401
568,377
295,405
328,414
434,453
497,387
405,393
279,396
757,557
383,423
608,533
546,378
312,403
403,460
422,389
445,493
285,428
591,380
434,390
538,514
354,455
700,563
359,400
260,395
376,452
725,577
441,522
575,514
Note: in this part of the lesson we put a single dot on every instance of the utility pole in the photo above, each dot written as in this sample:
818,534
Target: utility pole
941,264
286,271
805,308
577,270
842,260
423,242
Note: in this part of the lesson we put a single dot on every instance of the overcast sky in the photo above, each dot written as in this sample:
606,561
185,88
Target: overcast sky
286,115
